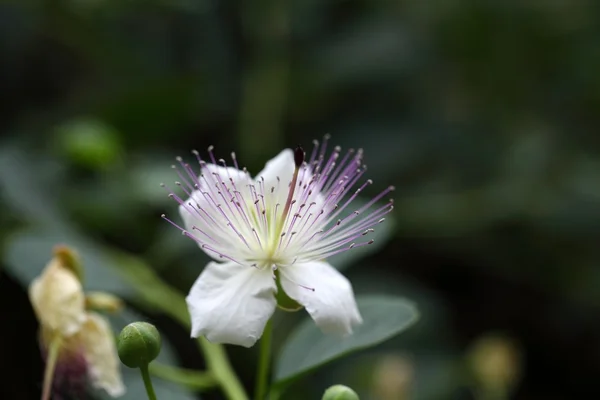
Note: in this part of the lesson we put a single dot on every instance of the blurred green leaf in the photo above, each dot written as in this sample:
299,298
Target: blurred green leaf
32,196
152,293
147,174
27,252
308,348
26,184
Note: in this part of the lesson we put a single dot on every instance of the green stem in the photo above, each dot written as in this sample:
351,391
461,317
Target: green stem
264,361
147,382
51,359
218,363
198,380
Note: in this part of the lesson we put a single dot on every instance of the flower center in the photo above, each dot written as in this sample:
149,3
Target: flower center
275,234
269,254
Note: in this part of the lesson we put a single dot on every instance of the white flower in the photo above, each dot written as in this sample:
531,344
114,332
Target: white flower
88,350
276,228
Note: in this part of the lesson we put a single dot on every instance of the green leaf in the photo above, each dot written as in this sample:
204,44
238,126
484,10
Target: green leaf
27,252
30,193
308,348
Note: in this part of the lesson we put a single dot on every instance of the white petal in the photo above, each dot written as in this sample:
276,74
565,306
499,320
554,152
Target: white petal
331,304
58,300
230,303
216,174
205,221
98,344
282,167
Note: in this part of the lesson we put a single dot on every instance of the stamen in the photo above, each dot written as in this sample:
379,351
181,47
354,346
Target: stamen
243,219
299,284
210,153
234,159
298,160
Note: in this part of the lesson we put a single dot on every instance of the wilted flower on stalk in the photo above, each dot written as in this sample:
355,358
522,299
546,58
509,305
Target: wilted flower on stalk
270,235
78,345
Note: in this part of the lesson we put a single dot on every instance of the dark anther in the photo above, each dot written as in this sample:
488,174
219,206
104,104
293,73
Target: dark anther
298,156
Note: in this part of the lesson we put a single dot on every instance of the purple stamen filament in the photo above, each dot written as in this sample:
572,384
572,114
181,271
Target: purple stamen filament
264,223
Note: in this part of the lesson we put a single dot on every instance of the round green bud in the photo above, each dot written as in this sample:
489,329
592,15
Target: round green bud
340,392
138,344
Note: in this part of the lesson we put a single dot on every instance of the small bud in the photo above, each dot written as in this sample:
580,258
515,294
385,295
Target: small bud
495,362
340,392
393,377
138,344
101,301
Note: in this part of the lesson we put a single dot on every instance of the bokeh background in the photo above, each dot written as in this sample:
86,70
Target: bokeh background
484,114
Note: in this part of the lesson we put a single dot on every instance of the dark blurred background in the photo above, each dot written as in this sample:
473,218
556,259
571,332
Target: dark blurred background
483,114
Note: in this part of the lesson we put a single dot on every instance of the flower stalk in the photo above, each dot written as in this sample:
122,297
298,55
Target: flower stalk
218,363
264,361
138,345
147,382
52,358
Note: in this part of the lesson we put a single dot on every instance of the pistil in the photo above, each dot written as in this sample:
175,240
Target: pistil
298,160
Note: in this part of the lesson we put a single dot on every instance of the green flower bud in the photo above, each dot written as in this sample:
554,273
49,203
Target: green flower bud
138,344
340,392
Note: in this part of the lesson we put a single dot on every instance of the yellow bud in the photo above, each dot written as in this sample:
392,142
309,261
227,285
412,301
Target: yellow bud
393,377
495,362
102,301
69,259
